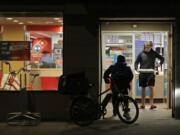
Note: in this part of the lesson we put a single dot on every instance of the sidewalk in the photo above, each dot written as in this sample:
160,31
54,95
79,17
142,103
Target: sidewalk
150,122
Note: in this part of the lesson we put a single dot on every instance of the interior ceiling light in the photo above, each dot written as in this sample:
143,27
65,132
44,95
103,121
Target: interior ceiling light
21,23
59,21
9,18
15,21
56,18
134,26
49,22
30,22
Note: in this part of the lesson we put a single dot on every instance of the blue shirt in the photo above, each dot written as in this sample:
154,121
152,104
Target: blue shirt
47,59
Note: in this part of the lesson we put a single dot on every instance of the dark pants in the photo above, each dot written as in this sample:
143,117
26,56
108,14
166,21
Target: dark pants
115,98
146,79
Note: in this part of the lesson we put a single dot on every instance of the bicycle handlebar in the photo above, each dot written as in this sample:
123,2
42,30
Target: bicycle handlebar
7,63
34,75
16,72
24,69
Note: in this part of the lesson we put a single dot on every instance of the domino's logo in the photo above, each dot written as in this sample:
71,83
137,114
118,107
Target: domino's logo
37,48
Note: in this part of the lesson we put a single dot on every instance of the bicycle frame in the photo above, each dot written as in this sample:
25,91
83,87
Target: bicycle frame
11,79
84,110
102,93
30,86
103,103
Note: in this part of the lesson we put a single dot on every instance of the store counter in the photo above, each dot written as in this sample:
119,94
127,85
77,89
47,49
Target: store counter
48,78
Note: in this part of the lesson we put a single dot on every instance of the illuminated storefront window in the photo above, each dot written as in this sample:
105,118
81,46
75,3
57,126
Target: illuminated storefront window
33,48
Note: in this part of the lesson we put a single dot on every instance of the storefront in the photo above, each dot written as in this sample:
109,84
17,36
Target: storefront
83,35
35,44
128,39
31,57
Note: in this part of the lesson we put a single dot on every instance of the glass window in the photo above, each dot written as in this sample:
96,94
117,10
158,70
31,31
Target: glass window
31,52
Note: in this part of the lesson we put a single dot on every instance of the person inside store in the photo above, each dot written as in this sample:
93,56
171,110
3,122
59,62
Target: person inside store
119,75
58,47
46,60
146,59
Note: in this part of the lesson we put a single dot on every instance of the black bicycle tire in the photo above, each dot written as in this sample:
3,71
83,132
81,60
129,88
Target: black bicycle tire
119,114
76,101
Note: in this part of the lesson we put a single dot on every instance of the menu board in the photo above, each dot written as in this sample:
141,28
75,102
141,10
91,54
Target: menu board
15,50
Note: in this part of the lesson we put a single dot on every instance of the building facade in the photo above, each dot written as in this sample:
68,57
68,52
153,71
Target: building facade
82,50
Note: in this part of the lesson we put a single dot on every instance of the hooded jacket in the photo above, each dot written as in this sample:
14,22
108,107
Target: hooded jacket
121,75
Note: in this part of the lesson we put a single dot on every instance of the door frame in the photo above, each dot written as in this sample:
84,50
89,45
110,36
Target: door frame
170,41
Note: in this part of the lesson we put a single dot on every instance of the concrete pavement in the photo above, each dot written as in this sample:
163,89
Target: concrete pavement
150,122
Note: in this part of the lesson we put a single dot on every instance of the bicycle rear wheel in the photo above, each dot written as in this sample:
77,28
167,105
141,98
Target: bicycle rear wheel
127,109
83,111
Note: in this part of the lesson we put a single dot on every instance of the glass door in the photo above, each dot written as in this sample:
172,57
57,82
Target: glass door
114,44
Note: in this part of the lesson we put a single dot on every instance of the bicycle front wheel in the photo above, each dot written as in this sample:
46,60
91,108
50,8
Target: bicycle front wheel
83,111
127,109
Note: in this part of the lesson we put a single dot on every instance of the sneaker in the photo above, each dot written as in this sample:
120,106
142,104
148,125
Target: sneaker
152,107
127,116
142,107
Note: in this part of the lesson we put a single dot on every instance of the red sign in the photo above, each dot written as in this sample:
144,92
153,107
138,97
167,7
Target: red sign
51,28
40,45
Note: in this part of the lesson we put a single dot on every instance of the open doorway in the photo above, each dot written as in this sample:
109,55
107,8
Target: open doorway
127,38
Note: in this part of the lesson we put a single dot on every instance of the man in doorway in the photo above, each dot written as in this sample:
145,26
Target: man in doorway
146,59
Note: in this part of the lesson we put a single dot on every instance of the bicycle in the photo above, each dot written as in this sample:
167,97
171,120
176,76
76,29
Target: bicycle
30,85
84,110
12,82
25,116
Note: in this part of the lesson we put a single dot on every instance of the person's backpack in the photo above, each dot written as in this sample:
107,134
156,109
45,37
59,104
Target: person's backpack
73,84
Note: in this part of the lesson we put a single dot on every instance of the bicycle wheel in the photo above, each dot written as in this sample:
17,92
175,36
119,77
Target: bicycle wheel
127,109
83,111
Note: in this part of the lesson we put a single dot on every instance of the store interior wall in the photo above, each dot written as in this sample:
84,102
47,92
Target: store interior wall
13,33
